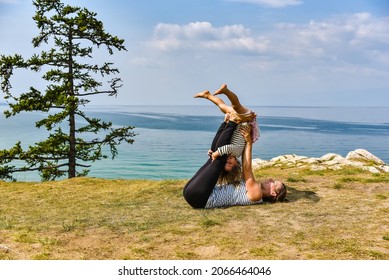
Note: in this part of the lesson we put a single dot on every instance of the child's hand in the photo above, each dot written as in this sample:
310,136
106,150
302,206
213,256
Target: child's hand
215,155
210,152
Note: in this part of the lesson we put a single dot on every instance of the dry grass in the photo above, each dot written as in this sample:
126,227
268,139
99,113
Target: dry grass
330,215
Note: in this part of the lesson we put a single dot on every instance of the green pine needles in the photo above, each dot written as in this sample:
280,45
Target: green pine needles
73,33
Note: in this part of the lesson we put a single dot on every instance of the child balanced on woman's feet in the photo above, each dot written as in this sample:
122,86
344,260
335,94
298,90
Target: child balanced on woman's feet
236,113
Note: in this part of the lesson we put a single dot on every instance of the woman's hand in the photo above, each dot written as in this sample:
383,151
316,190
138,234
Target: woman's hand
246,133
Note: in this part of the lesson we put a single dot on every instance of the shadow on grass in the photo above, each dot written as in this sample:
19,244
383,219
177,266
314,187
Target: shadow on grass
295,195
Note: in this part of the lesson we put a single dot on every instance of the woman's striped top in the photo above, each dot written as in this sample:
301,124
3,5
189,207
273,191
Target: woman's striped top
229,195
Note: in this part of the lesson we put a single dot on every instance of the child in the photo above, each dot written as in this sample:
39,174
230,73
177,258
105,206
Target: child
237,113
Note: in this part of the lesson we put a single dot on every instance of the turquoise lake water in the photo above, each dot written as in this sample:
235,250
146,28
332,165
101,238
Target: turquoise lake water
172,141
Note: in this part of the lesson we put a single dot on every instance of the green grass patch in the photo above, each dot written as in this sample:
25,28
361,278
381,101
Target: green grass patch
338,186
294,179
87,218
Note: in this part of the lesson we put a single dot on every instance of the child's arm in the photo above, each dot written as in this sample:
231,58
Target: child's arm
234,149
214,155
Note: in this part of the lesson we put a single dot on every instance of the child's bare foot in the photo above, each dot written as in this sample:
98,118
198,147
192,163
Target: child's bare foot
221,90
203,94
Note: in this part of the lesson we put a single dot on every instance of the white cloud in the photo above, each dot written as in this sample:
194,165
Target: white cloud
346,37
271,3
340,54
204,36
356,37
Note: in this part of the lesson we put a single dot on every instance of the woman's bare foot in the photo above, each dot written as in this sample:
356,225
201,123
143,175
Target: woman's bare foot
234,117
204,94
221,90
247,117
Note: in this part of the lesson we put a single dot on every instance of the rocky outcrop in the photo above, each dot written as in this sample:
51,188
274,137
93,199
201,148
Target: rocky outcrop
359,158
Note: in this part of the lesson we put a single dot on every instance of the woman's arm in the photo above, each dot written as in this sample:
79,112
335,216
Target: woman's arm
254,191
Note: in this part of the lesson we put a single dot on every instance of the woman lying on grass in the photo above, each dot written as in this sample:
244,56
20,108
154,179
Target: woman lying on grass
219,182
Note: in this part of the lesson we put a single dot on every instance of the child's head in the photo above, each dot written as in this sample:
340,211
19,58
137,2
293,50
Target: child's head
232,172
232,162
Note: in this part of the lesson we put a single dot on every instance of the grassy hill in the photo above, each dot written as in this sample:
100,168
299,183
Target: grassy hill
330,215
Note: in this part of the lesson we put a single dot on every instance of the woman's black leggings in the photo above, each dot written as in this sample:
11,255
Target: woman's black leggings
199,188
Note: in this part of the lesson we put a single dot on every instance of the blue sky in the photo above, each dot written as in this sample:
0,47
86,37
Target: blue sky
270,52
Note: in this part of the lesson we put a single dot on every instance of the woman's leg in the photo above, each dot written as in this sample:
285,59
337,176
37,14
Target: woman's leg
220,134
225,136
200,186
215,100
214,143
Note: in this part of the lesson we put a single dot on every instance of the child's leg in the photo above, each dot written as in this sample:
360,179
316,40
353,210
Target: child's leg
216,100
239,108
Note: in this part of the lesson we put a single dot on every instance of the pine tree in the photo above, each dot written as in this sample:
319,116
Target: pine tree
75,139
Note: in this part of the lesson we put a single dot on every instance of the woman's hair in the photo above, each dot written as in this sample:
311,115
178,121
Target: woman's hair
231,177
280,197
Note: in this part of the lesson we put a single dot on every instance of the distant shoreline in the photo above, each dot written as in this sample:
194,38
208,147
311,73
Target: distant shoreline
194,105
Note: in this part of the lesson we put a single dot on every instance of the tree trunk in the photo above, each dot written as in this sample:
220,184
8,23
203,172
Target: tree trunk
72,146
72,108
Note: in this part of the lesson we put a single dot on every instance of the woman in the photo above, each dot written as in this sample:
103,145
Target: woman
199,188
249,191
202,191
218,182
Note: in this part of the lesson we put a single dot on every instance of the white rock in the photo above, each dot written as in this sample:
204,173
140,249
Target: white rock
330,162
359,158
335,167
356,164
371,169
311,160
317,168
385,168
282,158
260,163
331,156
361,154
4,248
301,158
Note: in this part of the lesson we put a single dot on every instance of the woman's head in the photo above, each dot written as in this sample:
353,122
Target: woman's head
275,191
